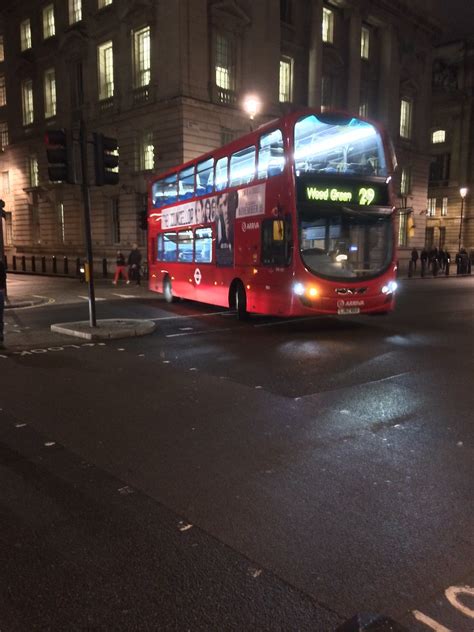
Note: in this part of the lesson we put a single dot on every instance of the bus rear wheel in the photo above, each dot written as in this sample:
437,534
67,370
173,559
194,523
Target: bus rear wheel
168,290
240,302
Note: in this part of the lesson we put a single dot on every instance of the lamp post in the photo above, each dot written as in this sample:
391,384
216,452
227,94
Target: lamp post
252,106
463,193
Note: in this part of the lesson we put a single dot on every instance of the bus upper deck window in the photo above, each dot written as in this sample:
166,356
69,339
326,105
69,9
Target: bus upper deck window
221,174
205,177
169,189
271,158
186,183
242,166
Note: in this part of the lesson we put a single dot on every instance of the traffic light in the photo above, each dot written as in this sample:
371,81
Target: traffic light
3,213
106,160
59,152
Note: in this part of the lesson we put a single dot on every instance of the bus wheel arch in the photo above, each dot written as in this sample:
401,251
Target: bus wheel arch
238,299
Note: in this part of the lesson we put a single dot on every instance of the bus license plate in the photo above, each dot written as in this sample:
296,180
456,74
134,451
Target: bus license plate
348,310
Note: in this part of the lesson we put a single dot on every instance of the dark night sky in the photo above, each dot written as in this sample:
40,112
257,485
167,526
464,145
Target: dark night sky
457,16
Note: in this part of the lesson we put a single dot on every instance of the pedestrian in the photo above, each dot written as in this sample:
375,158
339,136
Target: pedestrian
414,257
120,268
134,263
3,287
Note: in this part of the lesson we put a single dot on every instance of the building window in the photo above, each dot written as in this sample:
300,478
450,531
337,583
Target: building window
431,211
48,21
146,159
34,170
104,3
115,219
442,237
440,168
444,207
27,101
8,229
405,181
364,42
3,91
5,182
141,57
403,229
328,26
364,100
25,35
75,11
286,79
406,107
3,135
286,13
105,60
429,237
326,92
49,93
2,50
61,222
225,63
438,136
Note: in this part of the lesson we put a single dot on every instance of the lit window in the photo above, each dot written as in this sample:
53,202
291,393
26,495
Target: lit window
61,222
25,35
286,79
48,21
104,3
406,107
75,11
326,92
431,212
3,135
105,59
403,229
444,207
405,181
49,93
27,101
364,108
5,182
438,136
147,152
224,63
364,42
34,170
2,50
328,25
141,57
3,91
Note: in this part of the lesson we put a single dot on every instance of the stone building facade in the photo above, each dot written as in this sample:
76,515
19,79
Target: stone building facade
167,79
450,219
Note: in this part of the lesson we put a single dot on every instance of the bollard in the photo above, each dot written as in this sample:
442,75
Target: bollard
23,263
78,266
104,267
14,262
33,263
55,269
66,265
43,265
446,270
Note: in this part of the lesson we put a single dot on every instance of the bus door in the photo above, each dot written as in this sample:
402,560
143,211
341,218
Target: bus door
203,274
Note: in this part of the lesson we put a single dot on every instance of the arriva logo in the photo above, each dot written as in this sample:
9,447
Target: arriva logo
250,226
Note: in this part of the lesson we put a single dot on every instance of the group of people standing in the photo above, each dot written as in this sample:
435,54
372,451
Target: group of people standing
434,258
130,269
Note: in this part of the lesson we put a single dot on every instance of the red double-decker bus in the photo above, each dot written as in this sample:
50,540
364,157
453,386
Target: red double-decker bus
295,218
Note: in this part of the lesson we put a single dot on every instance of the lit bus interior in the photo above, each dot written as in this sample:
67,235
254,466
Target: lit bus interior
327,144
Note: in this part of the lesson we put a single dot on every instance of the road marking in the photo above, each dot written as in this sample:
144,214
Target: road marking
452,596
178,316
125,295
196,333
431,623
86,298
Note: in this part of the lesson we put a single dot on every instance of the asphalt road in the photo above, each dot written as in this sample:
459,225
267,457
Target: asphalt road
217,475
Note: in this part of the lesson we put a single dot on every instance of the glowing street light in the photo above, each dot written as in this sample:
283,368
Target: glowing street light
462,193
252,105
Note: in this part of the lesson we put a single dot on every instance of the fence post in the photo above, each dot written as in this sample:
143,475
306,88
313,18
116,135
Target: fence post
104,267
66,265
23,263
33,263
55,269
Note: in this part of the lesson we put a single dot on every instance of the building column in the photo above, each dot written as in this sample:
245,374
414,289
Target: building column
353,87
315,56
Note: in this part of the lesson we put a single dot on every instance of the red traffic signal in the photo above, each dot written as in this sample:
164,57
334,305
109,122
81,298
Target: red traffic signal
106,160
59,153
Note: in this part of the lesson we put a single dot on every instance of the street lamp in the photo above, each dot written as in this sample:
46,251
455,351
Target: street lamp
252,105
463,193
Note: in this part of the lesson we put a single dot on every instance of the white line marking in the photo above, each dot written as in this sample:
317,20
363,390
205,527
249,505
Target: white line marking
431,623
177,316
125,295
97,298
186,328
49,444
196,333
452,596
185,527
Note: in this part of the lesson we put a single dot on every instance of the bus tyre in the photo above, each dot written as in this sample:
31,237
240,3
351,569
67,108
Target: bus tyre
240,300
168,291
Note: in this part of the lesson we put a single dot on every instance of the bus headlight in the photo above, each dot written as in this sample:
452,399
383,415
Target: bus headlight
298,289
390,288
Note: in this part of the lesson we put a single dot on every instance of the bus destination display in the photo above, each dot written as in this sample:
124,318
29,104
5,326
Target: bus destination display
358,193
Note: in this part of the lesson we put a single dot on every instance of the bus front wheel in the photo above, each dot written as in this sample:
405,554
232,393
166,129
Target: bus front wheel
167,290
240,302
